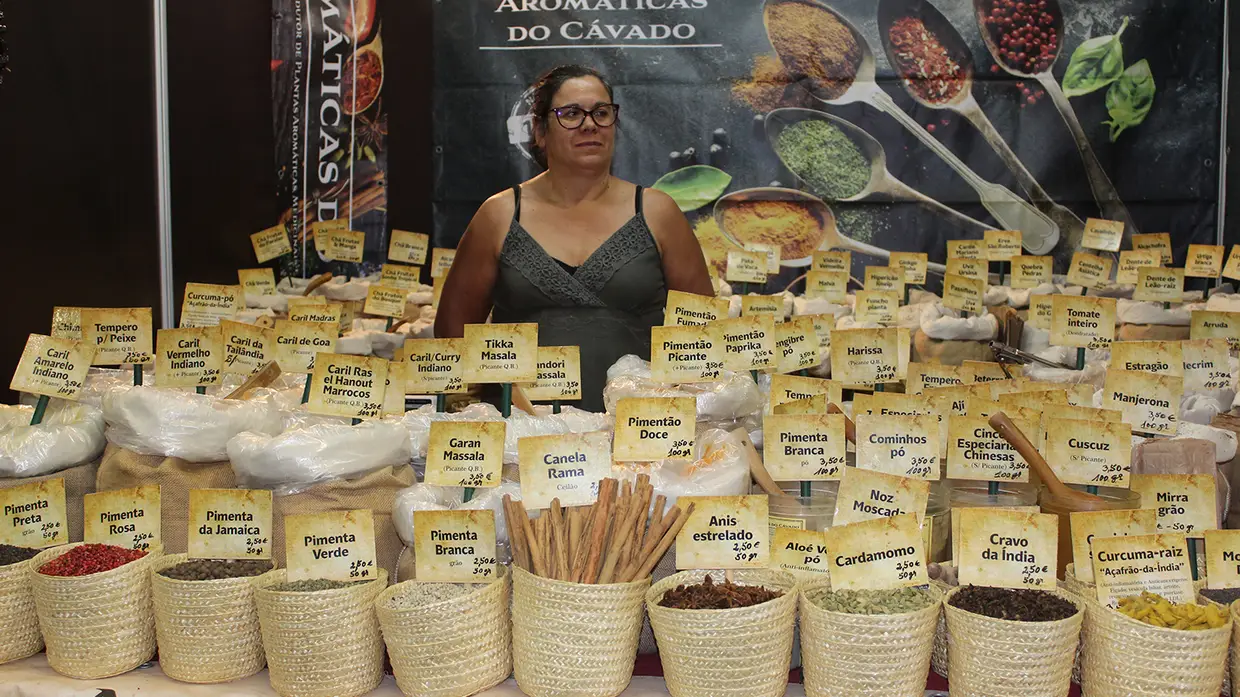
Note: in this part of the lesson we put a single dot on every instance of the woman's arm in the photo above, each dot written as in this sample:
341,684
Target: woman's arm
684,266
466,297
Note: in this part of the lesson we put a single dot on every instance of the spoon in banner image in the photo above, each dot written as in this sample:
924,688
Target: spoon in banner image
1012,212
1104,191
959,99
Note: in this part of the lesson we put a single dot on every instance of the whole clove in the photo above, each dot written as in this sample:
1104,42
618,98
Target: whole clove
1016,604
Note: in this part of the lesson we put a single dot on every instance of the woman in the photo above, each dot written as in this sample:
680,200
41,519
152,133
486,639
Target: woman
586,255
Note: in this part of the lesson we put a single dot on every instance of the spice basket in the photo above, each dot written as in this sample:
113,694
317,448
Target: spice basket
938,657
98,625
1234,669
1231,656
576,639
850,655
20,637
1124,656
1076,586
744,652
207,630
990,657
322,643
454,647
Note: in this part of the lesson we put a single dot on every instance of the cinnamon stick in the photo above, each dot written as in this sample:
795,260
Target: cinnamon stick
531,540
516,535
576,522
652,541
602,510
664,544
621,535
560,530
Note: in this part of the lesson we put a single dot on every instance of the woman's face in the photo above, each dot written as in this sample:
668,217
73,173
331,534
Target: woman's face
589,145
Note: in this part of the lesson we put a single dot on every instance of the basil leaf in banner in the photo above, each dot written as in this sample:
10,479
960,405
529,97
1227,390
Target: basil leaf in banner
1095,64
694,186
1130,98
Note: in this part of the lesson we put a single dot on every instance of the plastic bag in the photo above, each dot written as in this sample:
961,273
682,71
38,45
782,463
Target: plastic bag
1003,295
818,306
719,470
519,425
938,322
69,435
1201,408
312,452
424,497
276,303
172,422
732,396
1095,371
1133,312
1223,302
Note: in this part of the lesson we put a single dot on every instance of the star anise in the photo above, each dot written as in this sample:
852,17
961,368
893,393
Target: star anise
370,133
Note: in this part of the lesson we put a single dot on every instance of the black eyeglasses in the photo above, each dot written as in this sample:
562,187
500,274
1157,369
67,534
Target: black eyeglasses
573,117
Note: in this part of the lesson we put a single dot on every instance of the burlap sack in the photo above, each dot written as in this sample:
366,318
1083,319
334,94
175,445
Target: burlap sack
125,469
948,351
742,652
847,655
1230,470
20,636
323,643
988,657
79,481
375,491
1151,332
451,648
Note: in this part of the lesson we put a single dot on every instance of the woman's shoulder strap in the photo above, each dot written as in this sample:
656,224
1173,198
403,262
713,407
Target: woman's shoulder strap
637,200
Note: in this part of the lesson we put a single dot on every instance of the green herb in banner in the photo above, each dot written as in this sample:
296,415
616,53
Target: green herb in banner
1130,98
695,186
1095,64
825,157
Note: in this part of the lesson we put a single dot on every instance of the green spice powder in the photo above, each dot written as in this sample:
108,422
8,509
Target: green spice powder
310,585
825,157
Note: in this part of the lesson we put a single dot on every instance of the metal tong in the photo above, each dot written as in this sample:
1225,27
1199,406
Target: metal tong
1011,354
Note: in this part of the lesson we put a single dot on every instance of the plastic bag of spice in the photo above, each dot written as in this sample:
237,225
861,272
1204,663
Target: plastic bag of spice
519,425
732,396
21,637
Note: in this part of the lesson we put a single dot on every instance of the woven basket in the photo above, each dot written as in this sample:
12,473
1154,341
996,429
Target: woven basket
324,643
1233,673
744,652
574,639
1128,657
207,630
99,625
1076,586
20,635
938,657
990,657
847,655
1231,656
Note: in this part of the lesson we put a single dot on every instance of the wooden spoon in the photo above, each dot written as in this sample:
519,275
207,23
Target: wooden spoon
262,378
757,470
318,281
1010,433
850,428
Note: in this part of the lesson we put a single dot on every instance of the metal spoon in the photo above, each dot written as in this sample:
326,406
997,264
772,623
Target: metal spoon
1103,190
966,105
1012,212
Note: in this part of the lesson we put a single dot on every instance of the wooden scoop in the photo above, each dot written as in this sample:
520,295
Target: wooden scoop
262,378
757,469
1010,433
850,428
318,281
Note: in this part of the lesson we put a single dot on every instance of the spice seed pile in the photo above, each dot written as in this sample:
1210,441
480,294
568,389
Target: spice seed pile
90,559
10,554
1158,611
924,62
1016,604
310,585
709,595
1222,596
871,602
214,569
419,594
815,45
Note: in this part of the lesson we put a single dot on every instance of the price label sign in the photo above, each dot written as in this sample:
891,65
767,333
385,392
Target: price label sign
1082,321
1031,272
1222,558
1089,270
1184,503
67,323
1041,309
1232,268
802,553
1204,261
835,260
967,268
567,467
1159,357
680,354
52,367
907,446
1094,453
985,371
257,281
772,255
1002,245
912,264
953,400
441,261
385,301
204,304
465,453
126,518
1103,234
501,353
745,267
1135,564
691,310
724,532
322,232
1132,261
867,495
321,312
559,374
924,375
270,243
334,545
347,245
34,514
435,366
823,326
297,343
1209,324
1159,285
796,345
966,249
1088,526
804,447
1034,399
1149,402
454,546
772,305
876,306
1008,549
1206,365
189,357
976,452
1157,241
654,428
230,524
792,388
964,294
121,336
748,343
878,554
408,247
816,404
884,278
865,356
831,286
399,276
344,385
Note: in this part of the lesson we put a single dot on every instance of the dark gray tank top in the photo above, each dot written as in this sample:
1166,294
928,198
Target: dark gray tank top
606,306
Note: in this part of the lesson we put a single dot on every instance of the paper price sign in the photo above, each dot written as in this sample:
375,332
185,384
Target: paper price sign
567,467
400,276
315,312
947,401
1130,262
1156,241
865,356
1149,402
748,343
966,249
1034,399
230,524
1206,365
967,268
907,446
408,247
257,281
877,554
1041,309
119,336
1222,558
385,301
1089,270
434,366
1209,324
1073,412
964,294
189,357
984,409
773,305
1204,261
803,553
877,306
246,347
500,353
890,404
745,267
394,388
791,388
204,305
52,367
837,261
323,231
463,453
1081,321
691,310
1002,245
923,375
1160,357
126,518
344,385
913,265
1134,564
1008,549
270,243
831,286
816,404
1094,453
34,514
985,371
724,532
1157,284
67,323
441,261
1103,234
804,447
772,255
680,354
1232,268
334,545
654,428
297,343
866,495
1031,272
1185,503
559,374
884,278
823,326
1088,526
347,245
454,546
976,452
796,345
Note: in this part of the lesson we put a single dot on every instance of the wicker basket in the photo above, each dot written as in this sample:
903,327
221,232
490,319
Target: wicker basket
1076,586
574,639
1233,673
99,625
743,652
207,630
20,637
324,643
1128,657
847,655
454,647
1231,656
1001,658
938,657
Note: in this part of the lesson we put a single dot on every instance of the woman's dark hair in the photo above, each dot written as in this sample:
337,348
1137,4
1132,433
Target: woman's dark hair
545,88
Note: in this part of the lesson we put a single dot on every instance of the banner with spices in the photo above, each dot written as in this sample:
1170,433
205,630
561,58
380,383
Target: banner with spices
720,99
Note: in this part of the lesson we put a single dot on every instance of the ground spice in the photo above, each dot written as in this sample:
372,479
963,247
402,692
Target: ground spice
1017,604
213,569
1222,596
715,246
1023,32
791,225
419,594
708,595
10,554
90,559
1156,610
310,585
814,45
871,602
924,62
825,158
769,87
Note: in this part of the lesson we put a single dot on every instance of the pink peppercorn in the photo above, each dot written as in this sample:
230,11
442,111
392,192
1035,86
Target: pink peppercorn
90,559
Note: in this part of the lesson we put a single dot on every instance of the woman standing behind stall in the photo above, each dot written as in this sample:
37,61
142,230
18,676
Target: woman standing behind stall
588,256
